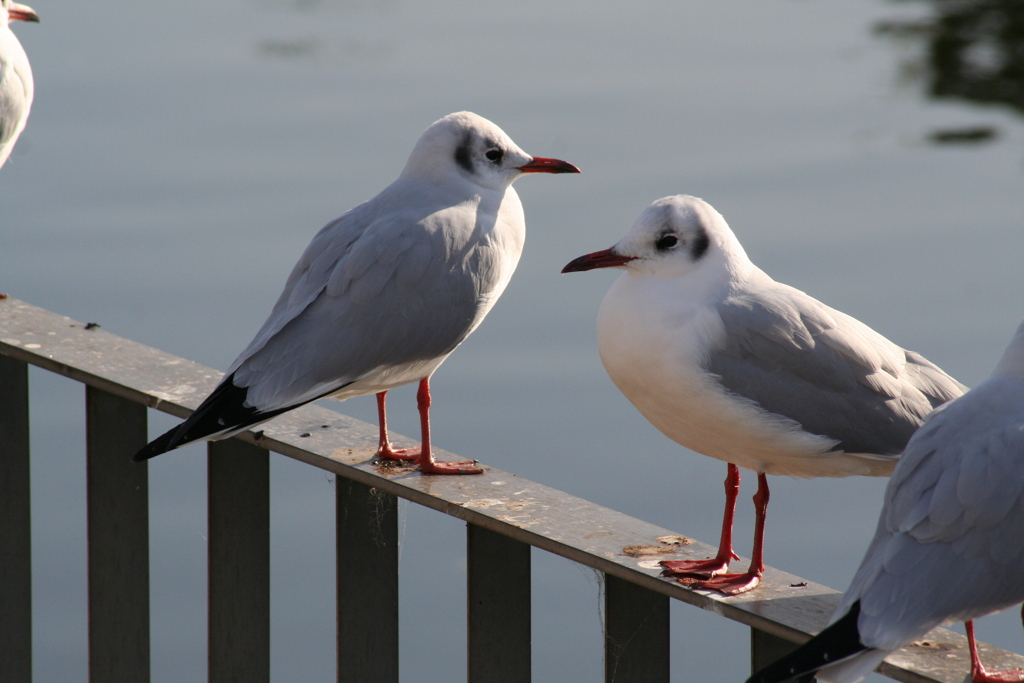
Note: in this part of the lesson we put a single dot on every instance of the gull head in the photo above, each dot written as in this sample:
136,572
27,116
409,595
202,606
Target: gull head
10,10
466,147
672,237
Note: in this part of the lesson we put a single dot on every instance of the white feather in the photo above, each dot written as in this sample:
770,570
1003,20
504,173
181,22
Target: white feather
733,365
16,85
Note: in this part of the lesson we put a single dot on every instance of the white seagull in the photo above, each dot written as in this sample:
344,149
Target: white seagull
16,87
384,293
733,365
950,539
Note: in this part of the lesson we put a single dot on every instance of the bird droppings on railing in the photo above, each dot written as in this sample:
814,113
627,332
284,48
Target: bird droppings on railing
646,550
688,581
667,545
520,521
596,534
649,564
391,467
932,645
675,540
394,468
485,503
174,394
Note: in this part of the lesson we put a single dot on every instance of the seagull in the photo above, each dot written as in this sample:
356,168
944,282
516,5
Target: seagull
384,293
16,87
731,364
950,539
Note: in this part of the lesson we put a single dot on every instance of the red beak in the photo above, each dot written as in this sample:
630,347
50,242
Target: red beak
542,165
22,12
606,258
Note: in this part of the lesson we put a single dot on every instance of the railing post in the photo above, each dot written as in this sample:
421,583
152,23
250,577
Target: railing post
499,630
238,522
367,583
15,525
766,648
118,518
636,633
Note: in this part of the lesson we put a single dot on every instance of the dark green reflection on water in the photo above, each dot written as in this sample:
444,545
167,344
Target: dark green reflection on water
973,51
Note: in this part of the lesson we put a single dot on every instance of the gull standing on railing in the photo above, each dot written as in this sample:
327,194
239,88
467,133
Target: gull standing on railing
950,539
16,86
733,365
384,293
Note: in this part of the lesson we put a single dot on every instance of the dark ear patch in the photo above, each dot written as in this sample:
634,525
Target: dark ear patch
462,154
700,244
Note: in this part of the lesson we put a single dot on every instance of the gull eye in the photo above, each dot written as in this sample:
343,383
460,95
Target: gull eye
666,242
494,154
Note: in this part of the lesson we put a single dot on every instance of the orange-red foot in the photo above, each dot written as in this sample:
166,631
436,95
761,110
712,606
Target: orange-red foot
386,452
702,569
1006,676
450,467
727,584
978,672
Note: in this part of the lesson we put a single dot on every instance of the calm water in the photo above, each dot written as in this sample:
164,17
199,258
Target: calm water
181,155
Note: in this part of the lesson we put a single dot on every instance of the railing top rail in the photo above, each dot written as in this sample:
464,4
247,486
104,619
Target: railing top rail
784,605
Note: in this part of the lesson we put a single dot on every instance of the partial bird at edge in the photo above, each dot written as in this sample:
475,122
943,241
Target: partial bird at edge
950,539
17,88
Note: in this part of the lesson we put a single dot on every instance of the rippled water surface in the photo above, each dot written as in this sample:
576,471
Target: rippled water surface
181,155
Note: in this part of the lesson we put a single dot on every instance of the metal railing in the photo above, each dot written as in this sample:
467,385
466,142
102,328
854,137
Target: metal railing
506,515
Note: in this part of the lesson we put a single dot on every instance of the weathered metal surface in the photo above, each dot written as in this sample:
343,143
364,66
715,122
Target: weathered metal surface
15,525
943,656
498,597
117,497
367,583
636,634
784,605
238,522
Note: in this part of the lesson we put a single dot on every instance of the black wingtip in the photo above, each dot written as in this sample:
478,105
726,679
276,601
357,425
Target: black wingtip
224,406
837,642
223,412
158,445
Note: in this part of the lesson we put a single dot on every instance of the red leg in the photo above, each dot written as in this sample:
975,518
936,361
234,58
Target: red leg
385,451
733,584
978,672
713,566
427,463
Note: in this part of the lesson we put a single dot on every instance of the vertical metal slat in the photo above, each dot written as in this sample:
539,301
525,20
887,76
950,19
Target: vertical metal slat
15,525
367,583
636,635
499,629
118,518
766,648
238,509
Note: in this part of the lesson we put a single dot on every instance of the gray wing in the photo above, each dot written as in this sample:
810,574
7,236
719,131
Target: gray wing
835,376
383,285
950,539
